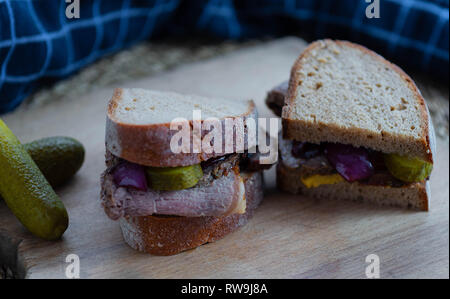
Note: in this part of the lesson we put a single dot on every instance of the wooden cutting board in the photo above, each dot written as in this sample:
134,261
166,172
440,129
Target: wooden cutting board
289,236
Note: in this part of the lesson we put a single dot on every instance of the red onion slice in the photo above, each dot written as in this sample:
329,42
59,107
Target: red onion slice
130,175
350,162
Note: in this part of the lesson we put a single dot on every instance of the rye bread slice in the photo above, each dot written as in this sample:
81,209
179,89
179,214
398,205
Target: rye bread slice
138,125
343,92
415,195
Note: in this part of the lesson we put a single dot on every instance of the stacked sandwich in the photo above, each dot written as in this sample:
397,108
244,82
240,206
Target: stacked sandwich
355,126
168,201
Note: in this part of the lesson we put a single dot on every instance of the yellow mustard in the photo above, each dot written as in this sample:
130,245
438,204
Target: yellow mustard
317,180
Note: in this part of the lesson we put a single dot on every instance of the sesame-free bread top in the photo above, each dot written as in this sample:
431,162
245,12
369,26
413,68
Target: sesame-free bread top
138,124
138,106
343,92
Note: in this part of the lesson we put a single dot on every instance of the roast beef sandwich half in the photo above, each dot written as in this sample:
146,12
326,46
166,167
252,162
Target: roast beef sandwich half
355,126
170,194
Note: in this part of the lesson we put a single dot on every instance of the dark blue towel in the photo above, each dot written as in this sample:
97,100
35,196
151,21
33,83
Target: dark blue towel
38,43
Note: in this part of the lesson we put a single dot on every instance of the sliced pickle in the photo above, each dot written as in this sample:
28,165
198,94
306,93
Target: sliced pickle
407,169
174,178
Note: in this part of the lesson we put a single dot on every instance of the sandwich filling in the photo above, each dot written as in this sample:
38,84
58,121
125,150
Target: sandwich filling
331,163
213,188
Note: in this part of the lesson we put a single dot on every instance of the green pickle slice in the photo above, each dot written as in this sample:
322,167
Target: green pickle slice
174,178
407,169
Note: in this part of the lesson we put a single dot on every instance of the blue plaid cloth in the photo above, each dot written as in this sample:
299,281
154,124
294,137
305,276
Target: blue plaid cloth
39,44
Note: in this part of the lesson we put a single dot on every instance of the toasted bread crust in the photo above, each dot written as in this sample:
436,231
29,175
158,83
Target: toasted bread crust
172,235
415,195
318,132
149,145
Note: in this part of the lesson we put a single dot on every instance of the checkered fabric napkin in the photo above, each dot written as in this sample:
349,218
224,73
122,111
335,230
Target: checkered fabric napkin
38,43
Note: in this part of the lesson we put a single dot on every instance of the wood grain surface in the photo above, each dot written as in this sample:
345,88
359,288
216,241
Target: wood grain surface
289,236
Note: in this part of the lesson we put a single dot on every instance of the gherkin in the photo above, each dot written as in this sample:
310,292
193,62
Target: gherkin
59,158
26,191
407,169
